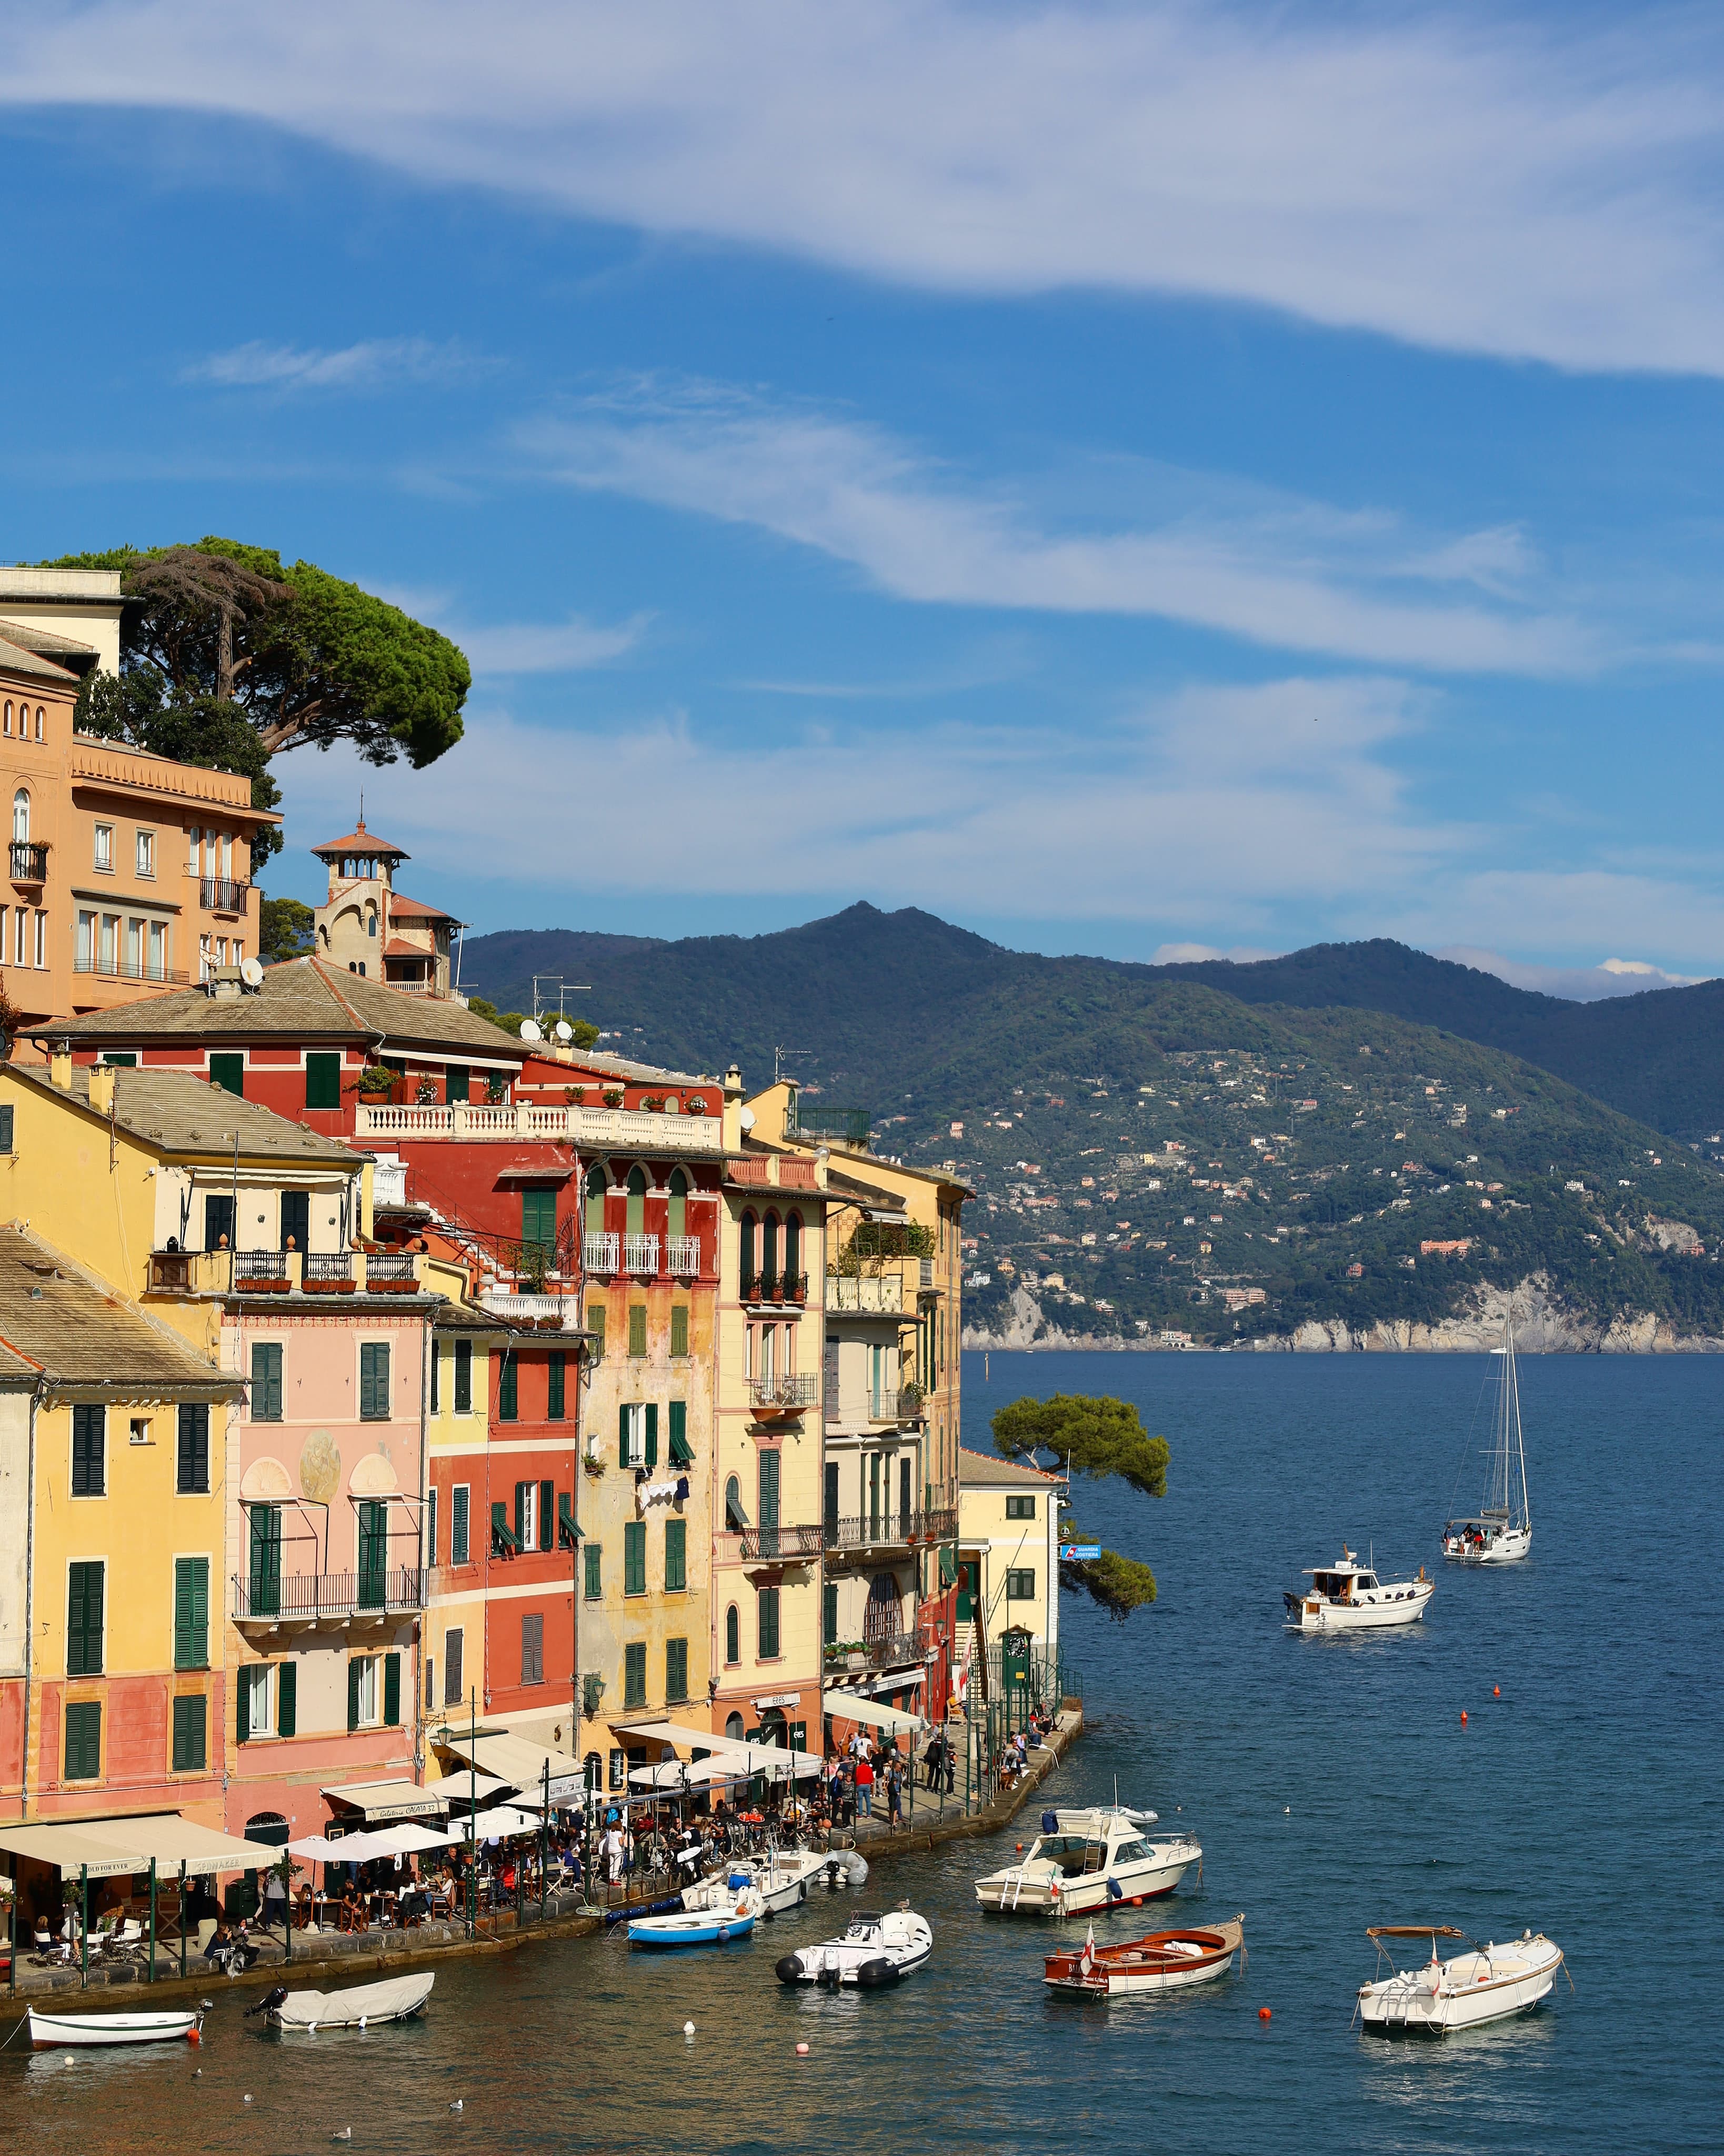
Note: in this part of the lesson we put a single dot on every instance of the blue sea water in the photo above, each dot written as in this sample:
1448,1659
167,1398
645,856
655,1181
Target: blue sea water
1333,1784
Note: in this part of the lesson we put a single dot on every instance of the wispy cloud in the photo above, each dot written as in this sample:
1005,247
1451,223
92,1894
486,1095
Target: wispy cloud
1616,977
374,363
557,647
1302,576
1531,185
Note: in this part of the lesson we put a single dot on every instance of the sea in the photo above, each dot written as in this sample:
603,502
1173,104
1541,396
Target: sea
1333,1783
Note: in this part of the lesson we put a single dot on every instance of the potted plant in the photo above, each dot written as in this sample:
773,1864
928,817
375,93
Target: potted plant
425,1093
375,1082
613,1098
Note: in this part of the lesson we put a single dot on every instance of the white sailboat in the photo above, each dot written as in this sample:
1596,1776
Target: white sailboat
1500,1532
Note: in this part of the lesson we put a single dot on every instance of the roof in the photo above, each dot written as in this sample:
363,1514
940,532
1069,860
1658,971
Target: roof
399,947
181,1112
415,909
30,636
69,1328
987,1471
599,1066
359,840
300,999
14,659
461,1317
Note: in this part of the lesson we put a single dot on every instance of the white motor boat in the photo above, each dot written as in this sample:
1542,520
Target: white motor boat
1500,1532
360,2006
875,1951
51,2032
1084,1860
780,1880
1483,1984
1348,1597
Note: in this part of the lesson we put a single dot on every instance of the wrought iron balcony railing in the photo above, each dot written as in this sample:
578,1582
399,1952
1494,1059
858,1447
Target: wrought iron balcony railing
640,1254
682,1254
222,894
296,1595
780,1542
600,1252
797,1392
29,862
874,1530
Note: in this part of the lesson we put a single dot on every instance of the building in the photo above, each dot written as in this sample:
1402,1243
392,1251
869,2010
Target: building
1008,1553
372,929
76,613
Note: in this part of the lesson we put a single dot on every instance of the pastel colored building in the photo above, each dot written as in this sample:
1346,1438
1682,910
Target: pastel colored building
1008,1549
372,929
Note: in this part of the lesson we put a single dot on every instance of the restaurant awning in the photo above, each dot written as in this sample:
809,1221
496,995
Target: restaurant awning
378,1801
109,1848
402,1840
772,1760
519,1764
470,1789
496,1824
853,1706
680,1774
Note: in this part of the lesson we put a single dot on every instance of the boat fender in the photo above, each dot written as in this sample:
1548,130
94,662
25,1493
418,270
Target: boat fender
802,1890
724,1933
1116,1892
1050,1822
769,1914
789,1968
874,1975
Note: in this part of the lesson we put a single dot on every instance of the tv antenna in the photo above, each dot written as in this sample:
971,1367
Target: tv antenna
541,1004
781,1055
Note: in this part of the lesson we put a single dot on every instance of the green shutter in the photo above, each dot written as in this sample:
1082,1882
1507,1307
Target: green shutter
547,1513
555,1408
242,1709
567,1533
191,1612
652,1433
634,1674
769,1466
768,1614
457,1084
374,1381
266,1381
83,1620
287,1699
828,1611
634,1557
594,1584
678,1328
637,1328
265,1553
538,1217
323,1082
509,1389
190,1751
681,1452
373,1554
677,1669
352,1693
622,1437
520,1497
595,1326
463,1377
84,1741
229,1072
392,1692
676,1563
88,1451
461,1548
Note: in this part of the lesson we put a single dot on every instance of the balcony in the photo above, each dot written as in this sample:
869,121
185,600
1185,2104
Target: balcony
642,1130
640,1254
599,1252
391,1272
222,894
782,1395
881,1294
109,966
329,1272
776,1288
806,1119
551,1313
388,1184
29,863
780,1543
887,1652
261,1272
682,1255
306,1597
875,1530
898,1404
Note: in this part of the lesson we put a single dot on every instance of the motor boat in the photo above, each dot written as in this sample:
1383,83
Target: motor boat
360,2006
1480,1985
875,1951
1083,1860
50,2032
731,1917
1348,1597
1500,1532
1160,1961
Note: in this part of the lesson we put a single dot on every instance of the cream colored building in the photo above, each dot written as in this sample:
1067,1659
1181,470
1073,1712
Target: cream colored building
367,925
1008,1544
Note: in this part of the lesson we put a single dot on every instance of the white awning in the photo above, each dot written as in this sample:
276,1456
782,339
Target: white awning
109,1848
401,1839
496,1824
519,1764
378,1801
470,1789
695,1774
852,1707
772,1760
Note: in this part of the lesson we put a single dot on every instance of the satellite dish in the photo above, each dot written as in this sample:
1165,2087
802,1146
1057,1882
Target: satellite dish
530,1029
748,1119
565,1032
252,974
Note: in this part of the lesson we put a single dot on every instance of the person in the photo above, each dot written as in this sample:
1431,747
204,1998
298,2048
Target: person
930,1760
303,1905
864,1785
274,1899
895,1794
612,1846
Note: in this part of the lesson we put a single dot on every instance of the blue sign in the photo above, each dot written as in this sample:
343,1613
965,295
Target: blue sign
1079,1550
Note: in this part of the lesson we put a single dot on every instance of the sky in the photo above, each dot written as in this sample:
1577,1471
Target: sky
1147,480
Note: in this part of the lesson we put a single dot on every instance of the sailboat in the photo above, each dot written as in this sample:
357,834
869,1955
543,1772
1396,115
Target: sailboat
1500,1532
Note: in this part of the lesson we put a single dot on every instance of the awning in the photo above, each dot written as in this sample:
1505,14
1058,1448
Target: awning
470,1789
687,1774
901,1680
110,1847
377,1801
399,1840
853,1706
772,1760
519,1764
496,1824
535,1175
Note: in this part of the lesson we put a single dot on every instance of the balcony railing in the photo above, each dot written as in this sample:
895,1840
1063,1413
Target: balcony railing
640,1254
562,1312
329,1269
807,1119
797,1392
223,895
222,1272
114,967
897,1403
880,1654
29,862
873,1530
776,1287
389,1271
640,1129
682,1254
261,1272
780,1542
599,1252
883,1292
299,1595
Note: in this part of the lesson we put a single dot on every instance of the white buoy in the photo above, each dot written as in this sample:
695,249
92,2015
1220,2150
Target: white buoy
802,2051
458,2105
687,2028
1287,1808
247,2099
362,2021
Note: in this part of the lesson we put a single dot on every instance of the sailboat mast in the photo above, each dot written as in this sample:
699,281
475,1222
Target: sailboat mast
1525,1520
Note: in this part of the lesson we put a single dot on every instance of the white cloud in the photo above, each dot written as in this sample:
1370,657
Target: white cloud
1544,187
1189,954
559,647
1303,576
1586,984
375,363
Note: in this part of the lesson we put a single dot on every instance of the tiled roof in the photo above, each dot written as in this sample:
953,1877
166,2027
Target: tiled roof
361,841
403,908
30,636
183,1113
986,1470
545,1070
15,659
59,1321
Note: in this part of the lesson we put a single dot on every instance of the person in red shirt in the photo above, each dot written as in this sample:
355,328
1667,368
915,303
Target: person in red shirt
864,1785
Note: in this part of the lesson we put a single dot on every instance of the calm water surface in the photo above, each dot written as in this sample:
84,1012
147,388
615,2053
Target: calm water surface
1332,1783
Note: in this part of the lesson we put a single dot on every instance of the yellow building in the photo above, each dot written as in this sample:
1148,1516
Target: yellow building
1008,1549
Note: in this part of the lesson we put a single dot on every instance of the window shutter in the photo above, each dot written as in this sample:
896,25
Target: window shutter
287,1699
681,1450
595,1326
509,1389
637,1328
532,1648
594,1586
352,1693
192,1471
453,1642
463,1377
189,1748
547,1515
567,1533
500,1536
84,1620
90,1435
374,1381
634,1557
323,1082
680,1329
677,1669
242,1712
554,1393
265,1381
229,1072
191,1612
521,1489
7,1116
652,1433
676,1564
829,1611
391,1690
623,1437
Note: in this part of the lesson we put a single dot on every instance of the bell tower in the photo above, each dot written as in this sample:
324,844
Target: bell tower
353,920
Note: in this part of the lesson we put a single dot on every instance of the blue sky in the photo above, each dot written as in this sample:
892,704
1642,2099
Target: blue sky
1124,479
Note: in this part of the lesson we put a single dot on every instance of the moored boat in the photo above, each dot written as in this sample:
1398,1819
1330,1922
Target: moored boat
1160,1961
727,1918
875,1951
1480,1985
1500,1532
360,2006
51,2032
1348,1597
1099,1858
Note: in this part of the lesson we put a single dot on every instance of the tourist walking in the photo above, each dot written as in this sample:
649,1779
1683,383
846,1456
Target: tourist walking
864,1786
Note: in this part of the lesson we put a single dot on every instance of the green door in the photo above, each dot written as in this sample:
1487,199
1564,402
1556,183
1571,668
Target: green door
373,1553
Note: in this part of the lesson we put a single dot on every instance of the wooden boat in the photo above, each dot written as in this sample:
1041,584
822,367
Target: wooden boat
51,2031
1485,1983
361,2006
1160,1961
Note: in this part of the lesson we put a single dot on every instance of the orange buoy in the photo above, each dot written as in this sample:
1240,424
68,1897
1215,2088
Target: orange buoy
802,2051
1263,2014
1020,1848
1497,1692
1463,1714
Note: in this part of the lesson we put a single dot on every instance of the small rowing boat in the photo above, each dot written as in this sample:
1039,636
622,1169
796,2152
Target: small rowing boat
713,1926
1485,1983
50,2032
1160,1961
361,2006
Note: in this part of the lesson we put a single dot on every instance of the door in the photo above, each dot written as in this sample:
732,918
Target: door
373,1554
295,1219
218,1223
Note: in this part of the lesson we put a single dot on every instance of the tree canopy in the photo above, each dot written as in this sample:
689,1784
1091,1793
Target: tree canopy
287,928
1117,1584
302,657
1090,1436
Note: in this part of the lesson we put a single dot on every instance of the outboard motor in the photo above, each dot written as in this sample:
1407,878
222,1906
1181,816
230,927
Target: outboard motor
269,2002
832,1875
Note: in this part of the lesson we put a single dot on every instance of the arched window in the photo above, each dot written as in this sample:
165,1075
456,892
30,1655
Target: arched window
635,1223
734,1517
774,1729
769,1254
41,716
792,1246
733,1651
750,1227
733,1725
595,1200
21,818
370,924
269,1827
6,721
679,1222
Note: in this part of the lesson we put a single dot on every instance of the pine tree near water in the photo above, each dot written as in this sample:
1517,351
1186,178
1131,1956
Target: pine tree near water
1096,1436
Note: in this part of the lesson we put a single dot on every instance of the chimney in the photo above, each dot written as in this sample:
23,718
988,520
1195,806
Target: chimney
225,986
101,1088
731,1133
59,1069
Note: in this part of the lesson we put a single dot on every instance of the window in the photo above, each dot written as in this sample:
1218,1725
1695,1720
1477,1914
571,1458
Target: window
41,716
677,1669
678,1222
140,1429
548,1517
734,1516
595,1326
828,1613
42,943
361,1691
191,1712
532,1648
194,840
191,1612
457,1084
793,1246
264,1578
374,1381
635,1207
594,1585
634,1674
104,847
146,853
595,1200
1020,1508
678,1328
769,1248
87,943
21,935
84,1741
89,1452
452,1644
257,1701
436,1378
295,1219
733,1725
323,1082
526,1515
634,1557
430,1683
431,1525
555,1383
638,1435
218,1222
749,1229
459,1514
732,1635
227,856
637,1328
191,1458
229,1072
373,1554
682,1452
371,918
769,1472
509,1389
84,1585
676,1556
1020,1586
538,1218
767,1614
463,1377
